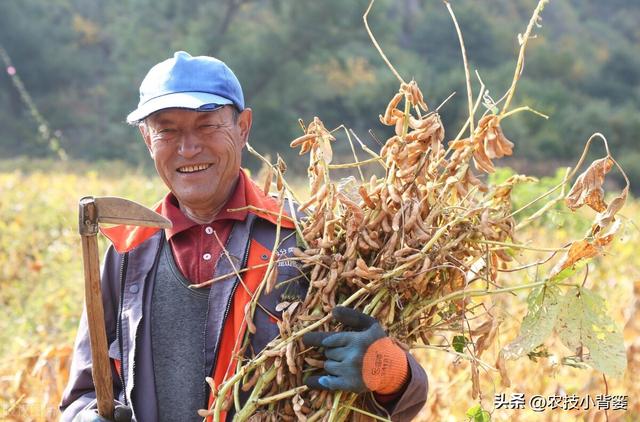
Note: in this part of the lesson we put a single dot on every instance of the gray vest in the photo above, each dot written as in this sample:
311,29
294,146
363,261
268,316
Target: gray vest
178,316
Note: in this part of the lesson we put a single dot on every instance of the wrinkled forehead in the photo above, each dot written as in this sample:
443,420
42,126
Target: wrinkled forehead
176,115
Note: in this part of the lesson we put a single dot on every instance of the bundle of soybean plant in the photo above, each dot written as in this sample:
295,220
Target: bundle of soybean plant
406,248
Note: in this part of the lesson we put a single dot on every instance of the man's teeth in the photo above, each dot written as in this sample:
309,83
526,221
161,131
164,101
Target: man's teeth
191,169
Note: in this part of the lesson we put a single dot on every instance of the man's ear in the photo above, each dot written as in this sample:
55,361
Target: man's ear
245,119
144,131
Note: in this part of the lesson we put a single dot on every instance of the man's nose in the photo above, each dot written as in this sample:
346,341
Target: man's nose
190,145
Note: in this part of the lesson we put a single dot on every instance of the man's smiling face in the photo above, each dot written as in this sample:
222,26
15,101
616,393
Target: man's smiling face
197,154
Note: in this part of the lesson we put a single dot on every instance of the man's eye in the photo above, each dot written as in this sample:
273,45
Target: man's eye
166,130
211,126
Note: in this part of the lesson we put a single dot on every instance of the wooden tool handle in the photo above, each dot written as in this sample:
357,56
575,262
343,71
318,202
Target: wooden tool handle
101,368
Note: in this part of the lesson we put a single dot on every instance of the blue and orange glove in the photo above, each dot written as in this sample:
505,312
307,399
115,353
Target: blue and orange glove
358,361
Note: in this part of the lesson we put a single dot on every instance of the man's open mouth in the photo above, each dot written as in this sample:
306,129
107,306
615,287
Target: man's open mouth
193,169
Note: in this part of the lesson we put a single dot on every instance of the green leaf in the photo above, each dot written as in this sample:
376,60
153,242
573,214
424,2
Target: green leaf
458,343
484,416
569,271
477,414
538,324
583,323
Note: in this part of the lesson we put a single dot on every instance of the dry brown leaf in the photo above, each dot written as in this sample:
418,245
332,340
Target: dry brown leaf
604,238
502,367
588,186
578,250
487,337
606,217
475,380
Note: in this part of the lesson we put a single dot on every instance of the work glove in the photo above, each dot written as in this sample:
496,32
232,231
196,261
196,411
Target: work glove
121,413
358,361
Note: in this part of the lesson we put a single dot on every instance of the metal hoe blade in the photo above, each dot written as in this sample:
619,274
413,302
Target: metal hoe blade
123,211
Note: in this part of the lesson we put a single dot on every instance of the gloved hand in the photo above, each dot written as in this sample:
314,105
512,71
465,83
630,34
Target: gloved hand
358,361
121,413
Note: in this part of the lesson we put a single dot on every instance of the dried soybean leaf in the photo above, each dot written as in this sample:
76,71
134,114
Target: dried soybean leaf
604,238
607,216
580,249
501,364
475,380
588,186
487,334
583,323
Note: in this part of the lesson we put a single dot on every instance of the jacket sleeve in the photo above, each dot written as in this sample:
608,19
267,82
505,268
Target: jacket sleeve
80,392
407,406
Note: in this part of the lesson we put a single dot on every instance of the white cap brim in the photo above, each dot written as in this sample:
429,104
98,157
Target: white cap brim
189,100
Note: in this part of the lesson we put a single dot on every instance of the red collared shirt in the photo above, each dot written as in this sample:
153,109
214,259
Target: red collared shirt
197,247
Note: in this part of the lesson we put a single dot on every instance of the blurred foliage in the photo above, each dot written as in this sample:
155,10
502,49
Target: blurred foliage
82,63
40,257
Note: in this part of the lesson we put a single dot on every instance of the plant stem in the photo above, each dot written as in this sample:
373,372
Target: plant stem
475,107
357,164
523,108
370,415
252,404
375,43
523,47
466,68
280,396
469,293
368,150
336,401
518,246
353,151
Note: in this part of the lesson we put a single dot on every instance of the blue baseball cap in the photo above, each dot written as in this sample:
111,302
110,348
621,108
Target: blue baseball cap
199,83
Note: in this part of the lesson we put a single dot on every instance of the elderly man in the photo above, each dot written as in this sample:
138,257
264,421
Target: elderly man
166,336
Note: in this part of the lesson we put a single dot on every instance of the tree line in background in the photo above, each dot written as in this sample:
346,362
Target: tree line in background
82,62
